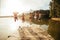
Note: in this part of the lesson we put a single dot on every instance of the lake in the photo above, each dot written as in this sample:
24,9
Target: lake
8,27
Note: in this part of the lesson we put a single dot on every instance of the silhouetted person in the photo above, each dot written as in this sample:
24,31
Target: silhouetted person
15,16
23,17
30,17
40,16
35,16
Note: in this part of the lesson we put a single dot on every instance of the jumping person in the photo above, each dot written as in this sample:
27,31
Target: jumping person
30,17
35,16
15,16
39,16
23,17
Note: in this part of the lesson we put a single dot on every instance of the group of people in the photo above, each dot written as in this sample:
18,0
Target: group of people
16,16
36,16
31,16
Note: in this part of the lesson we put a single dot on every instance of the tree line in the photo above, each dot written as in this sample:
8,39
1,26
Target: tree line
55,8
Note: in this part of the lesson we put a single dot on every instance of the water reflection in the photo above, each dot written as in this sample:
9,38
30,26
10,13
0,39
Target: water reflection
44,23
54,29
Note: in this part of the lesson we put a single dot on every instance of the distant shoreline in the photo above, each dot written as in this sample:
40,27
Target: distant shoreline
5,16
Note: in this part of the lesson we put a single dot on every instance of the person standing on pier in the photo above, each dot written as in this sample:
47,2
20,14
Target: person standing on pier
15,16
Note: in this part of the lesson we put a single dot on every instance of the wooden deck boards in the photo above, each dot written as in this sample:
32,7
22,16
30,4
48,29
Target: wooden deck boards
33,33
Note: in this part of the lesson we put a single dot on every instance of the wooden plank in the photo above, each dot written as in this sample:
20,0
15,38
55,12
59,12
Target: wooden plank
28,34
56,19
22,34
34,34
42,35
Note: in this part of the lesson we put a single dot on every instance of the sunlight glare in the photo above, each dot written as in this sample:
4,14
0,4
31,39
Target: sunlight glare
14,26
11,6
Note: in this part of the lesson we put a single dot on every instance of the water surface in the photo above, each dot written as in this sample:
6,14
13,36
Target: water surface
8,27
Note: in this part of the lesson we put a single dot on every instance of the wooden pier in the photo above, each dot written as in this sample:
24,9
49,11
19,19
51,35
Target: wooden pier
32,33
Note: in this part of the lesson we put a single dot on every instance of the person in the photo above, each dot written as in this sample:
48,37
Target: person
15,16
35,16
39,16
23,17
30,18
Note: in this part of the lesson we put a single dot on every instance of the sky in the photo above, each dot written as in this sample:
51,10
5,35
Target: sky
7,7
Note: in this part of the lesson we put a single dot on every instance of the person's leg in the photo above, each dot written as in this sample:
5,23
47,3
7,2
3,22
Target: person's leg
15,19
